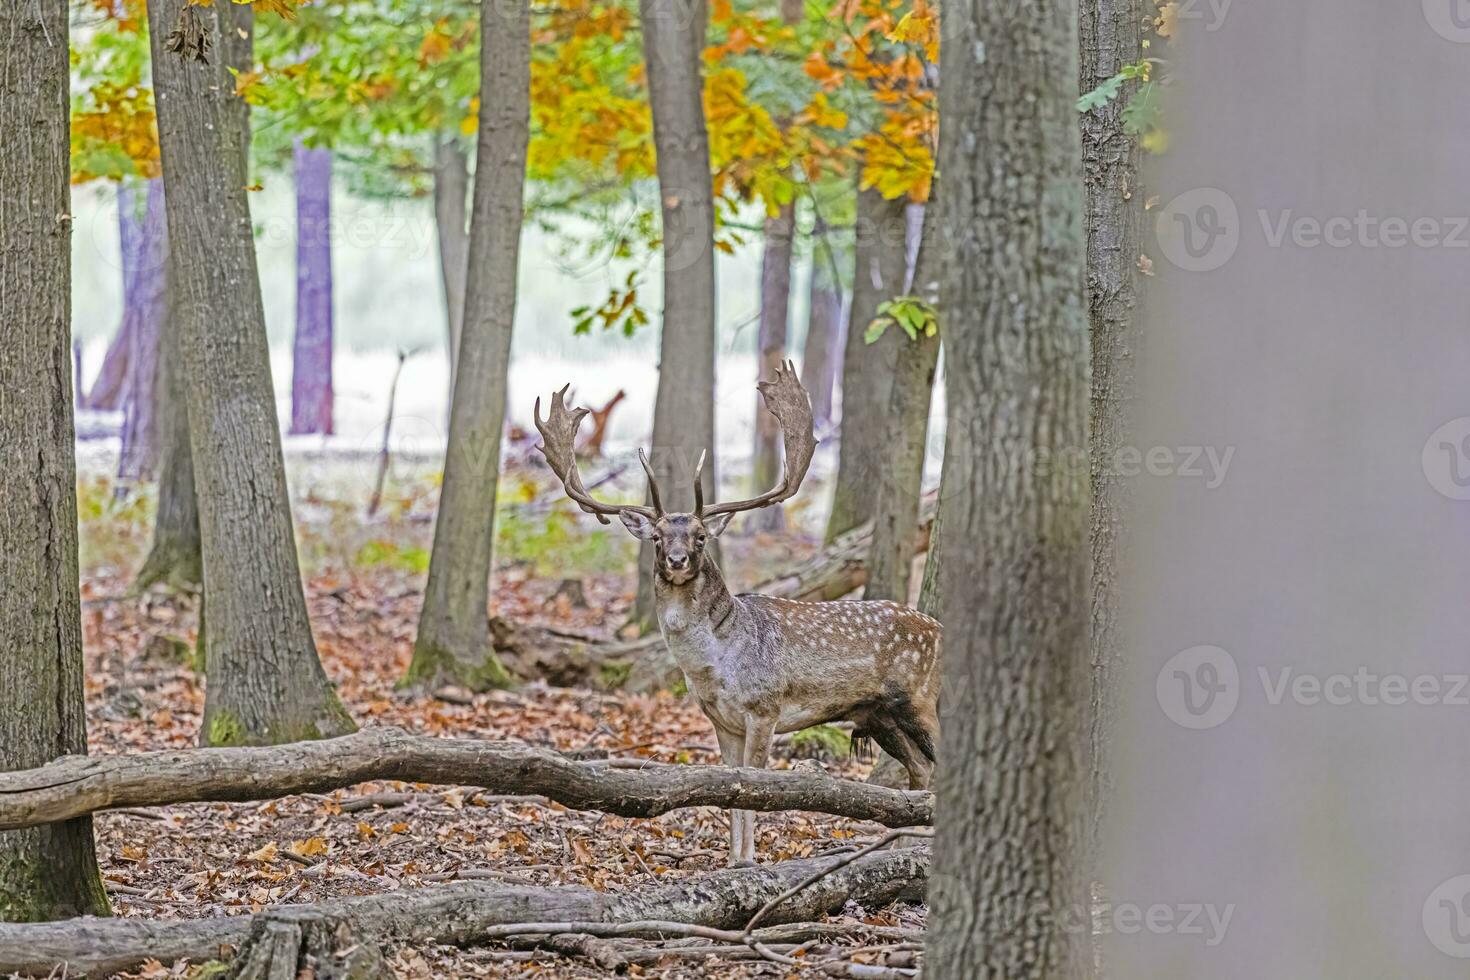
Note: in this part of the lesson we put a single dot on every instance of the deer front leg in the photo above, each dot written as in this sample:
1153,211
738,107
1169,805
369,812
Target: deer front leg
759,732
732,753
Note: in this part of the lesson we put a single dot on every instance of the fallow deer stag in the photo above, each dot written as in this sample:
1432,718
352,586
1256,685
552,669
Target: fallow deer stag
761,665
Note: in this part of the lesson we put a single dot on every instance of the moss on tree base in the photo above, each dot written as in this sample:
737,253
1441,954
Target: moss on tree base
435,666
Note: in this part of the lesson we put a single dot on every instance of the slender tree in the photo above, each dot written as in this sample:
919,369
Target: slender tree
311,356
905,436
451,192
142,280
1110,37
45,872
453,643
138,457
684,411
780,233
175,555
880,267
266,683
820,351
1013,595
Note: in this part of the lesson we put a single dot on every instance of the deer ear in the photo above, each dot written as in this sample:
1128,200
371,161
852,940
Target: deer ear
716,525
637,525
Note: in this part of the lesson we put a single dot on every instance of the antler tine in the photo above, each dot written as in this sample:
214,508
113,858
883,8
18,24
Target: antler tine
788,401
558,438
658,507
698,484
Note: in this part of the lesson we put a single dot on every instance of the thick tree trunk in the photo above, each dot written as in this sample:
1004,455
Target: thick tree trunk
175,556
468,913
453,642
138,458
1015,507
46,872
867,369
821,351
905,439
770,352
1110,37
311,354
451,191
684,412
265,681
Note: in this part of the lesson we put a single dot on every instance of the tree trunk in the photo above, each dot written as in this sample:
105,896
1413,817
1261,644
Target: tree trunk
451,190
138,458
770,352
1015,508
1110,37
467,913
820,350
684,412
46,872
175,556
265,681
453,642
311,355
905,440
867,369
141,254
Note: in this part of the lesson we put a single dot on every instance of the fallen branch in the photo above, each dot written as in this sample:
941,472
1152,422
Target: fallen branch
460,914
78,785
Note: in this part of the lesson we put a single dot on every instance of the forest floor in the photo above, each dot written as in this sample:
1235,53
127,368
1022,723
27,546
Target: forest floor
364,581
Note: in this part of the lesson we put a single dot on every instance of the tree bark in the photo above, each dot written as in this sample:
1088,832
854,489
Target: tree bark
311,354
867,369
770,352
1110,37
266,683
820,351
81,785
45,872
176,554
684,411
467,913
905,440
453,643
139,455
1015,506
451,191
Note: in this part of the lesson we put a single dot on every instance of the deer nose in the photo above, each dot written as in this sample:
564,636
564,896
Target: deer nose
677,562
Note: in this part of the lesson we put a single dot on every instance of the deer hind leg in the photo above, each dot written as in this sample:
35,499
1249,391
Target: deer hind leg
732,753
759,732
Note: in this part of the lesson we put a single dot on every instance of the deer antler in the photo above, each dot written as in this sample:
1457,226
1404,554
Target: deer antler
558,437
788,401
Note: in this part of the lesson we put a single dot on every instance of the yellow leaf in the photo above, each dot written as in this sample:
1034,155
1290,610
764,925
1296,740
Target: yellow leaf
310,847
266,853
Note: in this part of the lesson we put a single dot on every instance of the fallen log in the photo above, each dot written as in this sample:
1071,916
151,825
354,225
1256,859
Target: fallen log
77,785
460,914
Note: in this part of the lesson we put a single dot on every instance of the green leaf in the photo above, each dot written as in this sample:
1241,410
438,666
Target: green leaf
876,328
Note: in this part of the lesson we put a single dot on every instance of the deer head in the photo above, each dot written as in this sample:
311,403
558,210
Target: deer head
679,539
